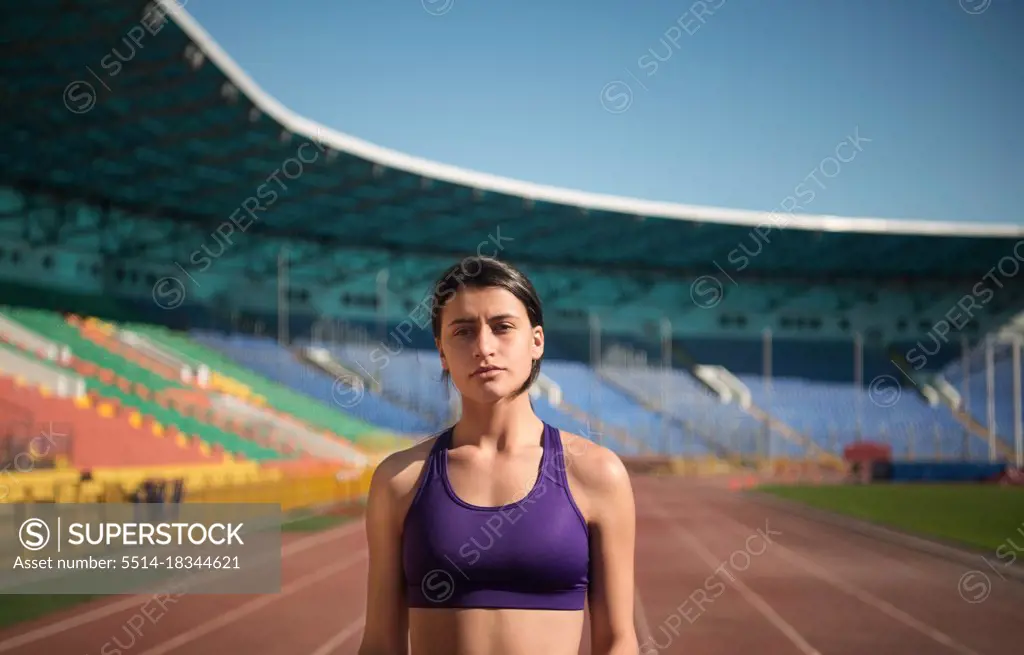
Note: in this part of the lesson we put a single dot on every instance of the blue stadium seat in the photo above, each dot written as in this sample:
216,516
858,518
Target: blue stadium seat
268,358
584,389
975,396
687,400
829,413
413,378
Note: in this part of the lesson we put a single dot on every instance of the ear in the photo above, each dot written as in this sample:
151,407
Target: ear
440,353
537,347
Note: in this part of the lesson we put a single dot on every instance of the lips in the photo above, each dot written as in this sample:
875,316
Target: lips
486,369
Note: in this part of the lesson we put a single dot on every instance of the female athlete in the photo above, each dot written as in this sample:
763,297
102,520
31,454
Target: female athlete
488,538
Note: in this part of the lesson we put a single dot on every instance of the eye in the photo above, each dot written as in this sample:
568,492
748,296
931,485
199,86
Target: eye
503,327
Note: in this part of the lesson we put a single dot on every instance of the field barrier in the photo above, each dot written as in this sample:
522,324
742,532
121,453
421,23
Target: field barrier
316,485
714,466
294,491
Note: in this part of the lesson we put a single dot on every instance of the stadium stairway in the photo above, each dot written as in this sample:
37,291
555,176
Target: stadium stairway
590,398
71,378
412,377
724,428
88,437
101,433
973,414
819,415
734,431
278,398
412,396
408,378
978,430
270,359
155,341
824,408
234,407
52,431
935,387
52,400
115,378
837,414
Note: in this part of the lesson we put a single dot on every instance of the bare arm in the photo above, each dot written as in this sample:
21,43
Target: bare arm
613,530
387,618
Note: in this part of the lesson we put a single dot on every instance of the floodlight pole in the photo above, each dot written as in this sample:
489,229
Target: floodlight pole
666,376
1018,430
282,296
595,361
990,390
858,380
965,352
766,366
382,314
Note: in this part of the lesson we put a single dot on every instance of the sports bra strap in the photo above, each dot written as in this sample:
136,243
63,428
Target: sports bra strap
553,465
441,446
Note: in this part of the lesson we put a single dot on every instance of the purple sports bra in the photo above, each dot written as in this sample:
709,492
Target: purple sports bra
531,554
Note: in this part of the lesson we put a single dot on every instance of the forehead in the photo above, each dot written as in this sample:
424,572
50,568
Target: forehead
482,303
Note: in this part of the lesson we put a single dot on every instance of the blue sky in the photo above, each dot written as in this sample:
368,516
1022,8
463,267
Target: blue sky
730,103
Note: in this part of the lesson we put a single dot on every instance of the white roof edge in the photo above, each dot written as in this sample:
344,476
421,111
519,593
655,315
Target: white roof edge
330,138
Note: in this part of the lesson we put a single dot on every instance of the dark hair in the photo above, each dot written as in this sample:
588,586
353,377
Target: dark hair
486,272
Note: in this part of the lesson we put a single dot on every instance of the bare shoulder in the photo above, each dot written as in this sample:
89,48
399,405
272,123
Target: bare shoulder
594,469
398,473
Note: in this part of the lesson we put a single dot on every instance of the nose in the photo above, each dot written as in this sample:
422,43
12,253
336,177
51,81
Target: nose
485,343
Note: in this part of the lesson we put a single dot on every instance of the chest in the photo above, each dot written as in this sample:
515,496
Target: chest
501,525
496,480
537,535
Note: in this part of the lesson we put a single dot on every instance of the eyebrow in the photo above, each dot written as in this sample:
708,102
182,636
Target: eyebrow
467,321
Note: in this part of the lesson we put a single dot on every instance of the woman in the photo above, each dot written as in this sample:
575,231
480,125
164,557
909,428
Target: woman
488,538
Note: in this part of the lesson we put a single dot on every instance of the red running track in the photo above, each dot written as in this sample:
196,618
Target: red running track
719,573
319,609
715,572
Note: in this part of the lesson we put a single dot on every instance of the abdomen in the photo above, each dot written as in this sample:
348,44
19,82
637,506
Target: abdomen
494,632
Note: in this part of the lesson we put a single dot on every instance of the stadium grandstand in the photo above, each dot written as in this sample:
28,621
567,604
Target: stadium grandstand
205,297
224,285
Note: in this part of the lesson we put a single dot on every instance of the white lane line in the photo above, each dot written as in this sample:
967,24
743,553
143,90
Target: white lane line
686,538
248,608
85,618
337,640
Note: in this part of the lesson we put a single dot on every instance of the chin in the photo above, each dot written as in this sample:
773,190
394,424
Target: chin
489,391
479,397
486,394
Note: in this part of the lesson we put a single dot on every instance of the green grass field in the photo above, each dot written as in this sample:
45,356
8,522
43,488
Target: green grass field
18,608
978,516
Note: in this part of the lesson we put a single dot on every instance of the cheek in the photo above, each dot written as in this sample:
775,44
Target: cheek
459,357
522,350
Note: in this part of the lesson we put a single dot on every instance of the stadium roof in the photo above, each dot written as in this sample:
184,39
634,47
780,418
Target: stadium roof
108,106
163,122
565,198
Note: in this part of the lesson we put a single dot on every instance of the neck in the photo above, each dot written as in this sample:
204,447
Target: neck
503,425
